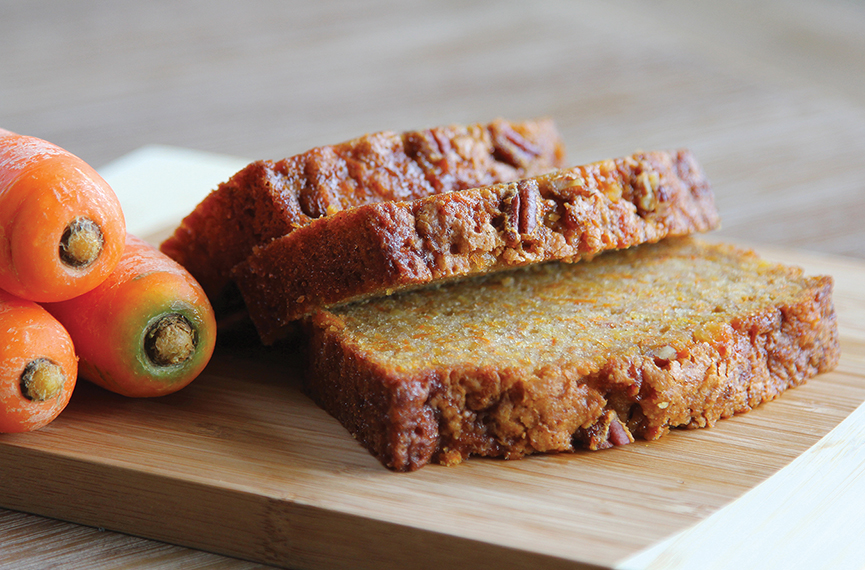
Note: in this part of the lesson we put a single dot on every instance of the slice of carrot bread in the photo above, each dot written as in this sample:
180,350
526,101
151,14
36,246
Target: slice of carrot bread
269,199
567,215
555,356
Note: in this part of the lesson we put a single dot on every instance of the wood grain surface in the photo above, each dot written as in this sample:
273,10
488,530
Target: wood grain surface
769,95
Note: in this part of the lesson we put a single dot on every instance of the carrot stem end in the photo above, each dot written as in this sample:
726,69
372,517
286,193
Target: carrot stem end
42,380
81,243
171,340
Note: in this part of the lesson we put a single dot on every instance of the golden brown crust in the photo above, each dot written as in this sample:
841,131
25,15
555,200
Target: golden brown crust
270,199
566,215
558,356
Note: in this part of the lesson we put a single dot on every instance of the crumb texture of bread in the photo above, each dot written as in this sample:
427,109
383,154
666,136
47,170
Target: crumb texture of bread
269,199
567,215
557,357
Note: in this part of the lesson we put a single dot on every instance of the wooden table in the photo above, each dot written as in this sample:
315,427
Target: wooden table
770,97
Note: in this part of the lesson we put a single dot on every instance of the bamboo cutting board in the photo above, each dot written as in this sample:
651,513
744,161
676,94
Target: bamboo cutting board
242,463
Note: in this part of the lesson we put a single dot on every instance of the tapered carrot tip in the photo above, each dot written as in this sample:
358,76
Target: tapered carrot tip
171,340
42,380
81,243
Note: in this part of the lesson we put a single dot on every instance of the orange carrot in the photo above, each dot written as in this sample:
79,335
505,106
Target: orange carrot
147,330
38,367
61,225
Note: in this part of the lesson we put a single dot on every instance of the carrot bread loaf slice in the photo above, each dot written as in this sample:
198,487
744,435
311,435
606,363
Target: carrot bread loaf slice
566,215
555,357
269,199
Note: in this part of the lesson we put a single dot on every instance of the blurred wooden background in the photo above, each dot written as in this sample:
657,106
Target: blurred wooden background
770,96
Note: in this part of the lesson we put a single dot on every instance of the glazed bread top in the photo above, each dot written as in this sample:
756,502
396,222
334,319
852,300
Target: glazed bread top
269,199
